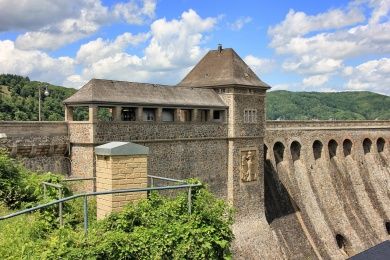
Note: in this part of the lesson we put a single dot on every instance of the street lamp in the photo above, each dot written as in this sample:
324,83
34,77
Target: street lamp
46,93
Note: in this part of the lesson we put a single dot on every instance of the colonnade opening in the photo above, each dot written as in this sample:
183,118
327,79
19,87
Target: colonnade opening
80,113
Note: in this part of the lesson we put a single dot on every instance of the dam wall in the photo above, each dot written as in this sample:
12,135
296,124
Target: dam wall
327,186
324,185
40,146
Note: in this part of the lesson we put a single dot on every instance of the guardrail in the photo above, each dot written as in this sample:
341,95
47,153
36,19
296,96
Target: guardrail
90,194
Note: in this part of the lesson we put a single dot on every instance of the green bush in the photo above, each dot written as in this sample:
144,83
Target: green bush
155,228
21,188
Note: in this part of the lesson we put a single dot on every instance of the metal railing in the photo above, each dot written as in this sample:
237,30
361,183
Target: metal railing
89,194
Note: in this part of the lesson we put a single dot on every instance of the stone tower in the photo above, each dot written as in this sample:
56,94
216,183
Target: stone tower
244,93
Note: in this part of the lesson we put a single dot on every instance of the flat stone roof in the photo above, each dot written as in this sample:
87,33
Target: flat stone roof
121,148
101,91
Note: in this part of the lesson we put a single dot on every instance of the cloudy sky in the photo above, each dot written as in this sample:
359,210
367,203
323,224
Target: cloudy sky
323,45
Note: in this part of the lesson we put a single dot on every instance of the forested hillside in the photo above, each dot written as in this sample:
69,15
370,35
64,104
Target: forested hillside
286,105
19,101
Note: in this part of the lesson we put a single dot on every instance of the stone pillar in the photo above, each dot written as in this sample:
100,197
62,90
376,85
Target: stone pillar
117,113
195,115
119,165
159,114
140,114
93,113
68,113
176,115
210,116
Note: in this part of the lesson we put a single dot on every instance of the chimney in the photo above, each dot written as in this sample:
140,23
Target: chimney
219,47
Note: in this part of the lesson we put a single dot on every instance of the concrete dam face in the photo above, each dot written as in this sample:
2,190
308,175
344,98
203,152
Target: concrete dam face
326,191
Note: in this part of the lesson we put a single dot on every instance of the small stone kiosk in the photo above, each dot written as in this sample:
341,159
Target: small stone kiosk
120,165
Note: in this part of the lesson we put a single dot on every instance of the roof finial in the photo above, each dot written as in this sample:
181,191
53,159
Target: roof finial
219,47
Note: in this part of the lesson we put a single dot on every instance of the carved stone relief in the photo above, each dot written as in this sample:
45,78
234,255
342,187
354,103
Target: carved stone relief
248,169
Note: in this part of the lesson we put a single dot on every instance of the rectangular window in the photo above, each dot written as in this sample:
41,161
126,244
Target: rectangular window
104,114
167,115
185,115
204,115
219,115
149,114
250,116
128,113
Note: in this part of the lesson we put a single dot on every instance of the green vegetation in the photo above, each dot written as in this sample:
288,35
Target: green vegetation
155,228
19,101
287,105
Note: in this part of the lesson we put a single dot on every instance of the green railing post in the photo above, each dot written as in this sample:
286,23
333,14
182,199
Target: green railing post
60,208
189,200
86,215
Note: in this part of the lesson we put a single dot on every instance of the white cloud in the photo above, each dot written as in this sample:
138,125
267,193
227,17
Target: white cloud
315,81
318,46
309,65
174,47
239,23
31,15
35,64
259,65
135,13
98,49
372,75
80,21
298,24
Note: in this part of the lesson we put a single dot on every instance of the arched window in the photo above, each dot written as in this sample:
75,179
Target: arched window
332,147
278,152
317,149
295,150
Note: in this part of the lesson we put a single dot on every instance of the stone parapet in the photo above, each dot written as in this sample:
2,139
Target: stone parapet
347,124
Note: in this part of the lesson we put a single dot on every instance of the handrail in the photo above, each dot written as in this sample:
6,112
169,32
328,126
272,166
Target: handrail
164,178
88,194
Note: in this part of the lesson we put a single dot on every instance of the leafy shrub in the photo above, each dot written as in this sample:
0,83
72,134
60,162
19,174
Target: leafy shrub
155,228
20,188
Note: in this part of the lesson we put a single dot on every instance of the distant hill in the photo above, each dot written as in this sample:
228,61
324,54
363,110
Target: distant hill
19,101
286,105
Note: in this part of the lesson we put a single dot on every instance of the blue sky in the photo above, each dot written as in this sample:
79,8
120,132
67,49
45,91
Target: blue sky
293,45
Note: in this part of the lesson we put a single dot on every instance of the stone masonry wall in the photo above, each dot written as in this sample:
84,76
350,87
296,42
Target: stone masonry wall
41,146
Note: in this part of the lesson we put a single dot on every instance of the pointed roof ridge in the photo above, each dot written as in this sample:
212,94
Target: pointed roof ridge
222,67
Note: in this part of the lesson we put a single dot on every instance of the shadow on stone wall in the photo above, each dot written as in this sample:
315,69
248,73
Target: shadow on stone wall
277,201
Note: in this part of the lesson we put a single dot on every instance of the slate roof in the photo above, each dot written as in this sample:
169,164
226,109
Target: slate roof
221,68
100,91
